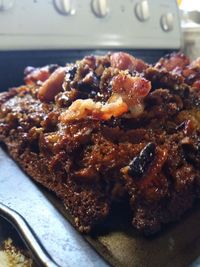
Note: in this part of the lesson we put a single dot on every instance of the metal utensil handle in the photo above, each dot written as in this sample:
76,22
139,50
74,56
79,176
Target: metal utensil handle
39,253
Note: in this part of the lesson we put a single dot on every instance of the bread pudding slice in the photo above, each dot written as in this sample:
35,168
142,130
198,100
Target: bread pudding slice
109,129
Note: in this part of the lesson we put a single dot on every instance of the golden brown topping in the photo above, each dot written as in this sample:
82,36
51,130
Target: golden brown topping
52,86
128,94
124,61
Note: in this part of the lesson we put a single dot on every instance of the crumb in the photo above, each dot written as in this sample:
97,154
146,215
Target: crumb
10,256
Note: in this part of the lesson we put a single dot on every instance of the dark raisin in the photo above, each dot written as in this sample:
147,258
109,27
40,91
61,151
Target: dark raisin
92,94
139,165
71,71
89,82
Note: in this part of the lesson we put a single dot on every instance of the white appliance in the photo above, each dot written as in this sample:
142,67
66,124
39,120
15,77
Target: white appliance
84,24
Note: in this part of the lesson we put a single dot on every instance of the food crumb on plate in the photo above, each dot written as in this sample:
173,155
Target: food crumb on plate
10,256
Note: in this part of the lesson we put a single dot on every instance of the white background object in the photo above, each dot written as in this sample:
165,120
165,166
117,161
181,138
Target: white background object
96,24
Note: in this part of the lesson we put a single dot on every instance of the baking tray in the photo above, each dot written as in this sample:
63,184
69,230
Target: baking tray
45,226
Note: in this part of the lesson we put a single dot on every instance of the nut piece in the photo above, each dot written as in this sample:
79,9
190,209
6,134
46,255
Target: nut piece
52,86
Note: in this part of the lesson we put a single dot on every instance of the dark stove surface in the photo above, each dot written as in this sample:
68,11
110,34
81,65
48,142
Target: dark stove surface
13,63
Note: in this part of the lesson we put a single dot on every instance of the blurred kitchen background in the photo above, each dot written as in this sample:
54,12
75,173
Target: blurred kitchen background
190,25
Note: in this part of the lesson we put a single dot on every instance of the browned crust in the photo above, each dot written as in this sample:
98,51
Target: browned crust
87,205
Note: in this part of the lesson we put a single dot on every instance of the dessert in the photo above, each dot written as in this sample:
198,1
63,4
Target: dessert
110,129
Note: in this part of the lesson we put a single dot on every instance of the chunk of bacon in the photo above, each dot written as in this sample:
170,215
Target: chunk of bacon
128,94
191,74
173,61
52,86
125,61
132,90
38,75
83,108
